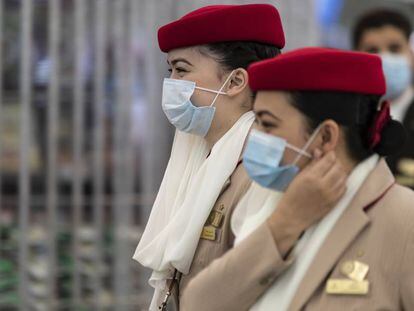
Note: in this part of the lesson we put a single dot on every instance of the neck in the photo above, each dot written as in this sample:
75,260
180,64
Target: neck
219,129
347,162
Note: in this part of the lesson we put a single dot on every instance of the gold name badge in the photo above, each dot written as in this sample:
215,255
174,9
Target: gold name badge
347,287
355,270
209,233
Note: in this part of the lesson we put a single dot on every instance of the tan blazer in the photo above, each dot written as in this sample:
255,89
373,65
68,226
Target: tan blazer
376,229
217,237
211,247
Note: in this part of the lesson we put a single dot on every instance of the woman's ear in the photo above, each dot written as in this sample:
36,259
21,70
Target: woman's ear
329,134
238,82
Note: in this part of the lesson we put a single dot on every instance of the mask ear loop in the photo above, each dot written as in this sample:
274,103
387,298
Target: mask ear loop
209,90
221,89
303,150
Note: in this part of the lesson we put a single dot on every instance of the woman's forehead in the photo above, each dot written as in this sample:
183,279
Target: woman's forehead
188,53
270,99
274,101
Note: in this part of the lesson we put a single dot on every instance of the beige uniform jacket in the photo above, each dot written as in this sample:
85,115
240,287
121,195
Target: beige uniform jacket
217,237
377,229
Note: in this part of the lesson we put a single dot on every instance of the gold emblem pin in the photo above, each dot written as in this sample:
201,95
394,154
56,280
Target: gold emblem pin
347,287
347,267
215,219
355,270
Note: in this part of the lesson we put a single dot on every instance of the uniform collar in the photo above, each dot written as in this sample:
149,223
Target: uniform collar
348,227
400,106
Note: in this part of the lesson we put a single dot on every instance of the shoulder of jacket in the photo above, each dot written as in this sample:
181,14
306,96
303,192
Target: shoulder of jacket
398,206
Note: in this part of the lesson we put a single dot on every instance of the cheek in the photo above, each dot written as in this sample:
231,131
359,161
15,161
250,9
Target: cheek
297,139
202,98
288,157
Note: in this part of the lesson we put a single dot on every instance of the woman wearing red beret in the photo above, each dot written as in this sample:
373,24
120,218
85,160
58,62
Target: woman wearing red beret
208,100
320,114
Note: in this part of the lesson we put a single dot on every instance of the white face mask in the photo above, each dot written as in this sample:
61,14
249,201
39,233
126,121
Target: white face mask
397,73
181,112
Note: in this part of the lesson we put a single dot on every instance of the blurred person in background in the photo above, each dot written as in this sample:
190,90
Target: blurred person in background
387,33
208,100
320,133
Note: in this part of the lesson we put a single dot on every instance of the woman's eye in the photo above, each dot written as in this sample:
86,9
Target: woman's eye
394,48
372,50
180,69
267,124
177,70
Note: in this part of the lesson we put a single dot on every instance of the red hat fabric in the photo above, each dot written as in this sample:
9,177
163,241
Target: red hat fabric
220,23
319,69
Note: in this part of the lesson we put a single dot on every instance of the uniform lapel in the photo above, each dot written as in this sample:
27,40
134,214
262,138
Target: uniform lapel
349,225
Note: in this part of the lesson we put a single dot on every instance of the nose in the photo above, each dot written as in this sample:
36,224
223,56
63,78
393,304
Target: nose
174,75
259,124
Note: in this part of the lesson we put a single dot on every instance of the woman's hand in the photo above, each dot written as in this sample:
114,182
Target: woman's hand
310,196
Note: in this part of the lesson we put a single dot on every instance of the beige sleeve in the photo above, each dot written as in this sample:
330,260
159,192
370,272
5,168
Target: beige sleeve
407,275
238,278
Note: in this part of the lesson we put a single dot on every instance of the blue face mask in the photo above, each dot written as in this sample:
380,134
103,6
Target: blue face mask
181,112
397,73
262,160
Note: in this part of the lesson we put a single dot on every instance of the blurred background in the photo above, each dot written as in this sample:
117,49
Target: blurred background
84,142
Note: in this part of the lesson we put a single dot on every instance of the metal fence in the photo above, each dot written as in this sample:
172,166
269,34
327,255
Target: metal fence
73,118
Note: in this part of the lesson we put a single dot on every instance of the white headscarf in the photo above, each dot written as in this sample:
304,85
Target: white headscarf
188,192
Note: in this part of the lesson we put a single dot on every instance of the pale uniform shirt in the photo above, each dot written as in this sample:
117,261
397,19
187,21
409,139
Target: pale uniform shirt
400,106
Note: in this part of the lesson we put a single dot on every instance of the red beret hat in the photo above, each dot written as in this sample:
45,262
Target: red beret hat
319,69
220,23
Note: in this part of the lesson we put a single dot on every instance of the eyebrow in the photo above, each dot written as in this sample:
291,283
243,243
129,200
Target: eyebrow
266,112
174,61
